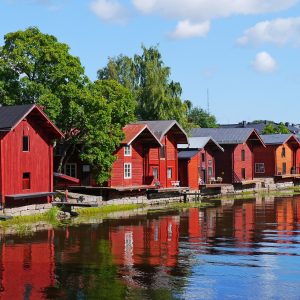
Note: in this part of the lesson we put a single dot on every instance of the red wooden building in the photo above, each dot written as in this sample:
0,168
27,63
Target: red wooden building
236,163
163,161
26,154
132,167
197,161
281,156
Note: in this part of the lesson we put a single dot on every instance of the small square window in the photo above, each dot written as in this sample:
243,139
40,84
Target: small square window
71,169
155,173
25,143
127,171
127,150
259,168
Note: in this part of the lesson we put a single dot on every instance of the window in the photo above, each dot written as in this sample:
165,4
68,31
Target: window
25,143
26,181
71,169
127,150
58,150
169,174
243,173
283,152
162,153
210,162
243,154
283,168
259,168
210,171
155,173
127,171
202,157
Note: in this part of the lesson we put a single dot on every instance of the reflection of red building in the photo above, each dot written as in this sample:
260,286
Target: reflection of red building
244,222
155,243
26,269
285,216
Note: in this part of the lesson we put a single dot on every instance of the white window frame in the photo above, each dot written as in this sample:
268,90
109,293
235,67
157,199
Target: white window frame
171,173
155,169
127,170
260,165
127,150
71,164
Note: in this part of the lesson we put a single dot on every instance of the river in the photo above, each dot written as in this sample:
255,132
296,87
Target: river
242,249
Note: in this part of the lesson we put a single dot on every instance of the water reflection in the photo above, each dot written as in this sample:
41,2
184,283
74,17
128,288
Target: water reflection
240,249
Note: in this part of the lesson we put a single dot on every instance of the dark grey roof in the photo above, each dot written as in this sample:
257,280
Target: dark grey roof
11,115
187,154
275,139
199,143
224,135
259,127
161,127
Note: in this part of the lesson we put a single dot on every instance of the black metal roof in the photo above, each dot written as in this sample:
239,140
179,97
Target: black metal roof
276,139
259,127
225,135
161,127
11,115
187,154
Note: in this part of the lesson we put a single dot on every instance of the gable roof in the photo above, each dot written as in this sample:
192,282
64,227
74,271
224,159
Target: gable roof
187,154
278,139
227,135
11,116
161,127
259,127
132,131
199,143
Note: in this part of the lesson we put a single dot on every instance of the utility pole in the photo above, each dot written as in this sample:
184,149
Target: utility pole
207,97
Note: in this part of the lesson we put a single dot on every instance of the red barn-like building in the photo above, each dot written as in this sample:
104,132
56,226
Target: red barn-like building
236,163
132,167
279,157
197,161
26,154
163,162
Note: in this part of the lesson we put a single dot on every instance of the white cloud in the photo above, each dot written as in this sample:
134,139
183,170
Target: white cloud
203,10
264,63
110,11
185,29
279,32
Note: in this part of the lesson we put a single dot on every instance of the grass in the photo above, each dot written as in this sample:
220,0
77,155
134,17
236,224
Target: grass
23,224
106,209
190,204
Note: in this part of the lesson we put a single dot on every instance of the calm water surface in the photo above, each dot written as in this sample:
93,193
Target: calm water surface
239,250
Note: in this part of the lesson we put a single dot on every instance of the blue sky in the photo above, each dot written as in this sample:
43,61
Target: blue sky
246,52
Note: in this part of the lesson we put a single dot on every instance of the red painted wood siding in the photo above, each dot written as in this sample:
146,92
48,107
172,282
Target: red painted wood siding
137,167
38,161
266,156
239,164
224,163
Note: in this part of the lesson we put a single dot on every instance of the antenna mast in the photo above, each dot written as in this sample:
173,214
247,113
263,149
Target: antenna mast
207,97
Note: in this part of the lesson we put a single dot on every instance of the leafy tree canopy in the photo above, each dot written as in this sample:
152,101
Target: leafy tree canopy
275,129
148,78
37,68
198,117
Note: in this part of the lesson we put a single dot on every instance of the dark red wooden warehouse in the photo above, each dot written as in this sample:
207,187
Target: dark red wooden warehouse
236,163
26,154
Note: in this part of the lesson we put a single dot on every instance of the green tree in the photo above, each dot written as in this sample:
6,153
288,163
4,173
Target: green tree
272,128
199,117
146,75
37,68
